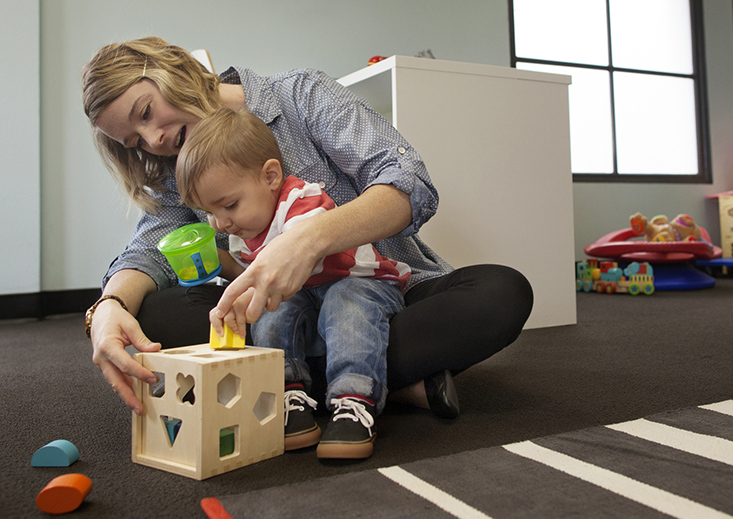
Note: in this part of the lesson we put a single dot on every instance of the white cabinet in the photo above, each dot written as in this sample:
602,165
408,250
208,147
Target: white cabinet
497,146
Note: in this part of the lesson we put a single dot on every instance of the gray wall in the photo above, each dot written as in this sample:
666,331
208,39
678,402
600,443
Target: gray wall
20,234
85,220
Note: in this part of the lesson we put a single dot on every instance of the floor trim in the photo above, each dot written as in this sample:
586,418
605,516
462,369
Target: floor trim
42,304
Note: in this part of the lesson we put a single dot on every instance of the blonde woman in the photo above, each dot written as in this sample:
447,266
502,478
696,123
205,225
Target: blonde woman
144,97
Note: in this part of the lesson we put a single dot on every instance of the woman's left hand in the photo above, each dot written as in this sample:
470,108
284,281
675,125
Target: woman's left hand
279,271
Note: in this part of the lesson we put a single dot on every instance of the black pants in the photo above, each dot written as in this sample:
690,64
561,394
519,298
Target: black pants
450,322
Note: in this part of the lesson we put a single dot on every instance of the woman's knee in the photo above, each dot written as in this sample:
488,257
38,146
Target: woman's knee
502,290
512,284
479,285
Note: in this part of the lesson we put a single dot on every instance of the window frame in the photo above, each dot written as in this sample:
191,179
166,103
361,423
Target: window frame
704,174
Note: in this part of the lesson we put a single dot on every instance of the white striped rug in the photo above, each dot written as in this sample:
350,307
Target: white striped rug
674,464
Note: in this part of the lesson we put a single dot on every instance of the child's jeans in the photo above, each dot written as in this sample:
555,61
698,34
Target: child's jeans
348,321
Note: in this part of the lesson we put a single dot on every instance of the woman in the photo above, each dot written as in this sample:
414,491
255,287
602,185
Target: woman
143,98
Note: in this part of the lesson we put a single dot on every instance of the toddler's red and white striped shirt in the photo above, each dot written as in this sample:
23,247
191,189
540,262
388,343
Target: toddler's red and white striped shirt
299,200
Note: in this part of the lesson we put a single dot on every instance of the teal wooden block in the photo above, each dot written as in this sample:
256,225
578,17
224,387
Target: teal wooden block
172,426
58,453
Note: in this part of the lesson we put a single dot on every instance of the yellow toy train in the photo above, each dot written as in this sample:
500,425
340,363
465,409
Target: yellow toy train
606,277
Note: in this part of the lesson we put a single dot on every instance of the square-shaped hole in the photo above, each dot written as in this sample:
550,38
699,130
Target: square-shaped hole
157,390
229,441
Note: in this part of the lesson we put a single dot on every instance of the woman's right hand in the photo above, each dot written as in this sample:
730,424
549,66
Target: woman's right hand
113,328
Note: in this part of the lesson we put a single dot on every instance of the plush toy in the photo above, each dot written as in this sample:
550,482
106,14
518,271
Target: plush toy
681,228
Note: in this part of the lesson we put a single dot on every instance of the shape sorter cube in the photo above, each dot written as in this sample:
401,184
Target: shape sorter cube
216,411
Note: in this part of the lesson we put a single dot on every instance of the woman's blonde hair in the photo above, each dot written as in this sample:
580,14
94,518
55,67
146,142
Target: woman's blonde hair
184,83
238,140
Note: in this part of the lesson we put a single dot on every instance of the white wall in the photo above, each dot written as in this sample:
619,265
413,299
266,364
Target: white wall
84,220
19,148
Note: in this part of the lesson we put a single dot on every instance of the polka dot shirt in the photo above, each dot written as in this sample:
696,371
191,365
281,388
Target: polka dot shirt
327,135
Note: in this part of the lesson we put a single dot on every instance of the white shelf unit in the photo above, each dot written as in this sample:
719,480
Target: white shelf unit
496,142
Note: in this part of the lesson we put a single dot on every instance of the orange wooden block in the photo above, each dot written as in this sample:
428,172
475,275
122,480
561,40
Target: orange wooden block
64,494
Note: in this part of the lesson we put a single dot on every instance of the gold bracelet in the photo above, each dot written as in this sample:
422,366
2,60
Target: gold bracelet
90,312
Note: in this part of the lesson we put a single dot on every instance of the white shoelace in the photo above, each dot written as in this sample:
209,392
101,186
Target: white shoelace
300,397
353,410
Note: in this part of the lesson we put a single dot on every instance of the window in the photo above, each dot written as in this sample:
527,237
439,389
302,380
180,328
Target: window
637,101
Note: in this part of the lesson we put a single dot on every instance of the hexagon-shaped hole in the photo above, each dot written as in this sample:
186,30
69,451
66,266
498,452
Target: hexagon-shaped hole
265,408
229,390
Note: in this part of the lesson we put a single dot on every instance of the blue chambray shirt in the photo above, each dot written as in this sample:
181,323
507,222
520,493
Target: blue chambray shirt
327,135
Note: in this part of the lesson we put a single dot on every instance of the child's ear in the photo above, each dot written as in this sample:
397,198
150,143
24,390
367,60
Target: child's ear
273,172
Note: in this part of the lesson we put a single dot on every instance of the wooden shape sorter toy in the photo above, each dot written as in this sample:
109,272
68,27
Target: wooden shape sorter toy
216,411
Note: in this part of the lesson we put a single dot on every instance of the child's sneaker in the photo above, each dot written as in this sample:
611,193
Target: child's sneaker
301,429
350,434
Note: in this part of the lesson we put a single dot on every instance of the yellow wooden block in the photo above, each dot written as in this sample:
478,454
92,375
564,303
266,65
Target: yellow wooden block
229,341
217,410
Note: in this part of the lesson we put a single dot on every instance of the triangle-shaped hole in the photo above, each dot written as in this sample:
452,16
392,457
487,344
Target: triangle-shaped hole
172,427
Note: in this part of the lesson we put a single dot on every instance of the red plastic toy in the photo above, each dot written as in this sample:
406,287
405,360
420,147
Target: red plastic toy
620,245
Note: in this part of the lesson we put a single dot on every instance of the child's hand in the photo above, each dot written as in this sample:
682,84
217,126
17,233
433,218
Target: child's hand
238,326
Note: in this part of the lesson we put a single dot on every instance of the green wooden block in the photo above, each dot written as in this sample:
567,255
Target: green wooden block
226,442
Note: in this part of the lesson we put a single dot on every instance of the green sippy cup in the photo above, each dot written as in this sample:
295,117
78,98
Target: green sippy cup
191,251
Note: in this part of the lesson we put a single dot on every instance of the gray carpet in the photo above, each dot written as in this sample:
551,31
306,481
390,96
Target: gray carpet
627,358
677,464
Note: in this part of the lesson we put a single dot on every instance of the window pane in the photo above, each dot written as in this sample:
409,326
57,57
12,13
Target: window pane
655,124
561,30
591,148
652,35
